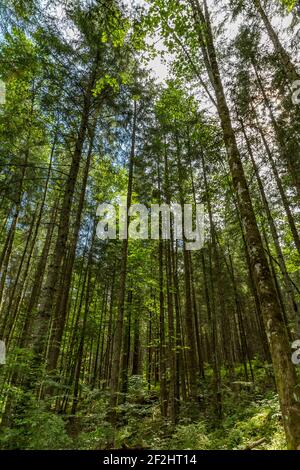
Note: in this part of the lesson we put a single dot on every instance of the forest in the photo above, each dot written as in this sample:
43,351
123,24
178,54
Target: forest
115,341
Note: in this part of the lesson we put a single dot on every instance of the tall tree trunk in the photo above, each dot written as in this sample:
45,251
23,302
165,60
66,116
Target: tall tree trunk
293,307
287,64
50,289
285,375
117,345
63,293
290,157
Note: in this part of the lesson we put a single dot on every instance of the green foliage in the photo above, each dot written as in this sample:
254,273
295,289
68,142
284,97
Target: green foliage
35,428
261,419
250,414
139,420
289,4
240,429
95,430
191,436
105,81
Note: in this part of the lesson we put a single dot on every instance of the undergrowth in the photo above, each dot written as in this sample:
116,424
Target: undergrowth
250,413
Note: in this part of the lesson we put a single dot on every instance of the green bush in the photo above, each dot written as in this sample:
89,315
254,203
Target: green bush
192,436
36,429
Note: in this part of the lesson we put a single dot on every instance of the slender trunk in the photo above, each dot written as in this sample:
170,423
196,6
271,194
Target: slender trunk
287,64
117,346
285,375
293,307
63,293
50,288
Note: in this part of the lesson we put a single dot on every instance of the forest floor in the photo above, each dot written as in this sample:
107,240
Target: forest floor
251,419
